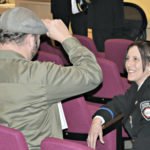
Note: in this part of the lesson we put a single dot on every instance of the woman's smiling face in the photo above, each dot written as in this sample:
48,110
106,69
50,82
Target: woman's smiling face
134,66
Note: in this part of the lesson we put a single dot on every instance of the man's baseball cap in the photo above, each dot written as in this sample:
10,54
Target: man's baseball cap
22,20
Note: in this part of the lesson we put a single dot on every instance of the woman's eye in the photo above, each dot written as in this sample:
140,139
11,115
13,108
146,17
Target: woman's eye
136,59
127,58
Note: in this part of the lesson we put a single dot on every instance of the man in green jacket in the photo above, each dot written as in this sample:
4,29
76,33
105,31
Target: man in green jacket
30,90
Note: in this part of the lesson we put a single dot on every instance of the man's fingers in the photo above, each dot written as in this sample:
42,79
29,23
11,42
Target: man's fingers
57,30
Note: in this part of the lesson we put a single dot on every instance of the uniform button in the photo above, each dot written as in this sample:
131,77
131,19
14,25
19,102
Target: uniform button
136,102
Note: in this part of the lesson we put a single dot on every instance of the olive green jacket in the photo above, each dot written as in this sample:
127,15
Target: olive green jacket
30,90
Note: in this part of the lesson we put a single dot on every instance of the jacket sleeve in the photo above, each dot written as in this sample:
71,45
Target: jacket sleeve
83,76
119,104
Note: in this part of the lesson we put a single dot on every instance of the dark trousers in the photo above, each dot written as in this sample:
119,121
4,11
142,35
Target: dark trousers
79,24
61,9
99,37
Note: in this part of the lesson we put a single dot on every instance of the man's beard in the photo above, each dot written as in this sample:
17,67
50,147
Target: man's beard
35,48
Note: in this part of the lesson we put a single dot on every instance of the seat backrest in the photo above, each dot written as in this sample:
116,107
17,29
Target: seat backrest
112,84
44,46
44,56
12,139
135,21
86,41
60,144
77,115
89,43
115,50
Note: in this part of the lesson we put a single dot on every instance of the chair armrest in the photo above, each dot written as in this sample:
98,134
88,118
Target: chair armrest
99,100
113,121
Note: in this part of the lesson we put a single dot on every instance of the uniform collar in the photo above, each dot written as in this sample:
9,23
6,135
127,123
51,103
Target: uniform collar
145,83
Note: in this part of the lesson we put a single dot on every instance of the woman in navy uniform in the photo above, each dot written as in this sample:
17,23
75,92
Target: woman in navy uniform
135,104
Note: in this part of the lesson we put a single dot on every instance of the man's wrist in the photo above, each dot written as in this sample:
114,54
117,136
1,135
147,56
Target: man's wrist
65,38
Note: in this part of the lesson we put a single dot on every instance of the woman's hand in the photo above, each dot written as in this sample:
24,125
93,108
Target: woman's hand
95,131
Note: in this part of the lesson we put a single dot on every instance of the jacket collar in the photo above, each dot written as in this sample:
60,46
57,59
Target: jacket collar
10,54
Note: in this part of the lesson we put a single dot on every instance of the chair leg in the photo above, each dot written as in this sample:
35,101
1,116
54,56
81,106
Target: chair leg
119,139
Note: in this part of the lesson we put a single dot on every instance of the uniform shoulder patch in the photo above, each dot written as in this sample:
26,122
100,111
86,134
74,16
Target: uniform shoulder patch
145,109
